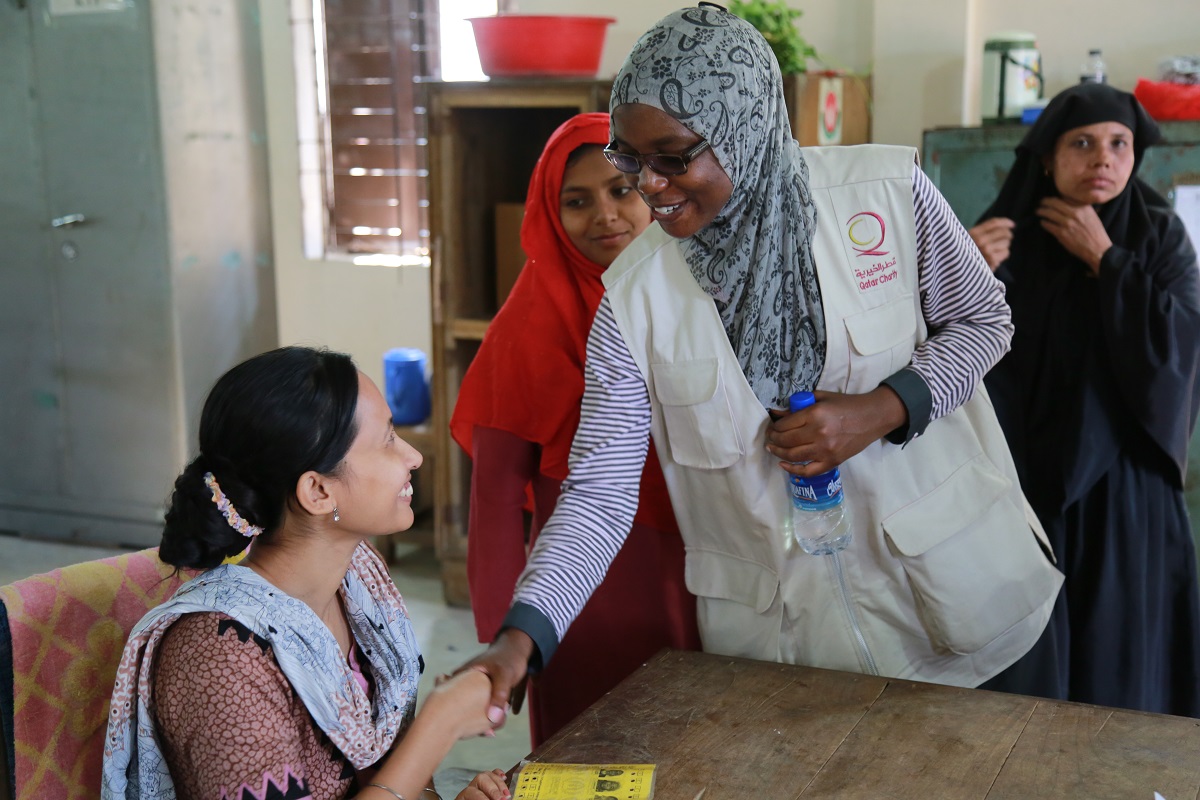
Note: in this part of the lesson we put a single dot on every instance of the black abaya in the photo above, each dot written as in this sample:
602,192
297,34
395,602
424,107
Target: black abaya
1098,397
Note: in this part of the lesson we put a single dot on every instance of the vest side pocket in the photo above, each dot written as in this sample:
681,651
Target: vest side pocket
974,566
709,573
701,431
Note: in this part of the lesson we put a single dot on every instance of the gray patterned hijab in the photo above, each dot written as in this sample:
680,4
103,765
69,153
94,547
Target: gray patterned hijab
714,73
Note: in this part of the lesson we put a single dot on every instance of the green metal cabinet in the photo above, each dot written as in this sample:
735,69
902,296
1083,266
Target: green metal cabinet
968,165
135,250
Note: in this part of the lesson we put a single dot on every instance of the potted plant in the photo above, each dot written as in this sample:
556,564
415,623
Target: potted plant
824,108
776,21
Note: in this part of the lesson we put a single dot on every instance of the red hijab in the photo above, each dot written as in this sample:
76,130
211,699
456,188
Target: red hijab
527,378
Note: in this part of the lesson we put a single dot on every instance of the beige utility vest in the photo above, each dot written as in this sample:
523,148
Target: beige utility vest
944,580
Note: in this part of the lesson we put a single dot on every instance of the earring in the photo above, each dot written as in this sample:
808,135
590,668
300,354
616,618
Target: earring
336,517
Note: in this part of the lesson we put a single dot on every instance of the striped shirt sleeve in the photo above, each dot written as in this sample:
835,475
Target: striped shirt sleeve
970,328
970,324
599,497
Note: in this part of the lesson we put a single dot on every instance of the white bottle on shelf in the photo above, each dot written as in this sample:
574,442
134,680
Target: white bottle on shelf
1093,70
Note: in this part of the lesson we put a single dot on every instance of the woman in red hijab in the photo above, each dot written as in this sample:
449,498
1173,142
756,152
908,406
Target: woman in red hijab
517,411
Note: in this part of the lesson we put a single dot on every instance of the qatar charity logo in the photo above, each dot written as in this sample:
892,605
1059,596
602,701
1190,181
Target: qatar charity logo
866,232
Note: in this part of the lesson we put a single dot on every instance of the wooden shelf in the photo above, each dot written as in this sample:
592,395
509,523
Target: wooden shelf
471,330
485,139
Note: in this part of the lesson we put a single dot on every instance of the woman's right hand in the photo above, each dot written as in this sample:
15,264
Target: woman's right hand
993,237
506,663
459,704
486,786
455,709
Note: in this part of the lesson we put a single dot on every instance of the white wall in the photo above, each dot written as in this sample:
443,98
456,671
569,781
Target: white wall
359,310
925,76
839,29
920,58
1134,36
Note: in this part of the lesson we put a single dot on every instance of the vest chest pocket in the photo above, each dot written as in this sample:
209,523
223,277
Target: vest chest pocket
700,427
881,342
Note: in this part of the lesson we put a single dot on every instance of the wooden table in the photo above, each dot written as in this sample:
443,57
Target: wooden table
751,730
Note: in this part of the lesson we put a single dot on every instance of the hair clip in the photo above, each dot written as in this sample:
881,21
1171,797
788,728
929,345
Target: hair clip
235,520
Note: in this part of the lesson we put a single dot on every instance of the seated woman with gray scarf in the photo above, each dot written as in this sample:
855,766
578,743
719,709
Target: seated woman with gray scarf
294,672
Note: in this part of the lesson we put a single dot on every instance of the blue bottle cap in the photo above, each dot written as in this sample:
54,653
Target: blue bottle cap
800,400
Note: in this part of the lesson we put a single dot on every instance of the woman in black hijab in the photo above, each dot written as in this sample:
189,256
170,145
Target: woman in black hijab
1099,394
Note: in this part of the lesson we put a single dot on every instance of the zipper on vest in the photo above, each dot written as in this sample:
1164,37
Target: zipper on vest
844,591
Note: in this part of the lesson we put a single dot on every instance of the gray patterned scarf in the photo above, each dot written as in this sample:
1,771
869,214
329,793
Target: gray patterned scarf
363,728
714,73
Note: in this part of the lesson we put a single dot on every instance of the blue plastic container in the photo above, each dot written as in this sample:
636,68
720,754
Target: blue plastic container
405,386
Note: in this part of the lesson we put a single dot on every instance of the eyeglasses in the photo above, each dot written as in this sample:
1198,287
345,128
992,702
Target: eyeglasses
662,163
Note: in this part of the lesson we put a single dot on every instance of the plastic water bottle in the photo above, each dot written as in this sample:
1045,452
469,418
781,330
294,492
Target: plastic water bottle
820,517
1093,70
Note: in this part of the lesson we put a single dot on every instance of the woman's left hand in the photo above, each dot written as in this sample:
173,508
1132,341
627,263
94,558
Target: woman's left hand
486,786
833,429
1078,228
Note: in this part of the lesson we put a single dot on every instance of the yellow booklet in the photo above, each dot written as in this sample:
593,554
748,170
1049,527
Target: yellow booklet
546,781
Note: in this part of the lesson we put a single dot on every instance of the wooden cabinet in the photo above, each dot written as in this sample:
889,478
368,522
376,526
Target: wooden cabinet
484,141
828,108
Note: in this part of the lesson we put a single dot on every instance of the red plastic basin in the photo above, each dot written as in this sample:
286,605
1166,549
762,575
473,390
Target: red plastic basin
526,45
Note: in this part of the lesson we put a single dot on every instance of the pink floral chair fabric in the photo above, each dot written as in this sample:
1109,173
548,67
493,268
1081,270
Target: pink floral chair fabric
61,637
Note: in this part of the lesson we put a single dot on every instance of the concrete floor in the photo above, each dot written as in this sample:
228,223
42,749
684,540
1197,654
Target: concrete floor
446,635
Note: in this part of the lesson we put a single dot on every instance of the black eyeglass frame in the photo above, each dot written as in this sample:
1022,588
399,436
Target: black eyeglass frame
654,160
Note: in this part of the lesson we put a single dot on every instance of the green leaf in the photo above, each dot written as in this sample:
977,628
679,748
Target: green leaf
776,21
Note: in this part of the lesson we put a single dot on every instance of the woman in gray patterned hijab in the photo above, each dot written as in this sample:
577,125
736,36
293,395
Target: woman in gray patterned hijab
699,128
715,74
